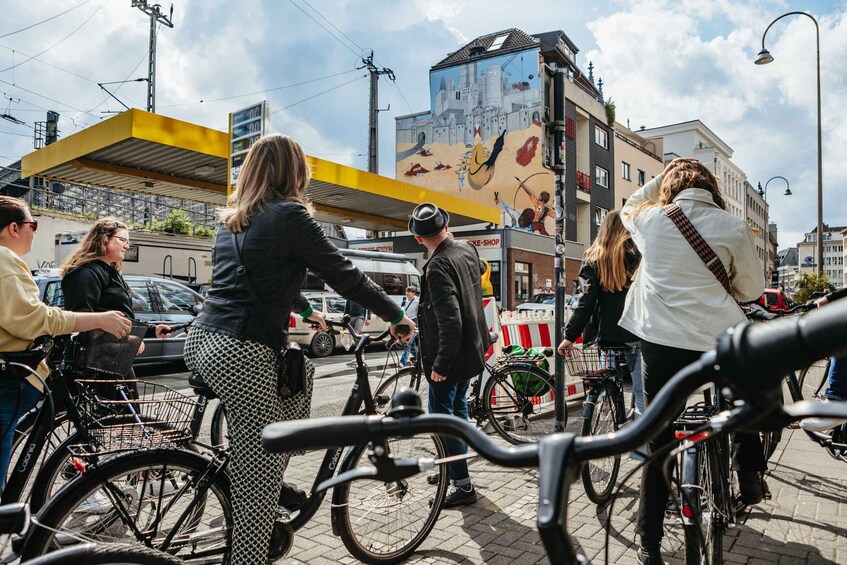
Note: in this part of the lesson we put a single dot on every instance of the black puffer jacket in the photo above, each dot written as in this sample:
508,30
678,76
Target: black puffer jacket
281,242
453,331
597,312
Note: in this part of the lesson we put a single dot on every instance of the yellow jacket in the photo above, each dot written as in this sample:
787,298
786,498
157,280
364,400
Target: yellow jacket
23,316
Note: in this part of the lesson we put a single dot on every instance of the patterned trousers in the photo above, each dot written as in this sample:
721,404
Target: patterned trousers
243,375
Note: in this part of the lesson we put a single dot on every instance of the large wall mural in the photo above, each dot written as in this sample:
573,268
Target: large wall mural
481,139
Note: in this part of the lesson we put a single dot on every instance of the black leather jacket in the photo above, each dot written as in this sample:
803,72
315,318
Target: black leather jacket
281,242
597,312
453,331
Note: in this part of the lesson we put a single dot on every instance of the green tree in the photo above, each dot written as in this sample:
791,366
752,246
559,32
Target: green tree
203,231
809,284
177,221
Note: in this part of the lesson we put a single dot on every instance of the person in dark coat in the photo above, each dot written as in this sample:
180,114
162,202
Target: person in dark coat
453,332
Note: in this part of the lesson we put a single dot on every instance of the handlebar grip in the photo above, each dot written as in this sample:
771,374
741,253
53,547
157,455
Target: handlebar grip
758,355
319,433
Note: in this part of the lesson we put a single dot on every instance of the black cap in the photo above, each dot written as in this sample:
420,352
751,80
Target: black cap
427,220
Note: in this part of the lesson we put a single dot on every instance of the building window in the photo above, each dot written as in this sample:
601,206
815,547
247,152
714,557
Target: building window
641,175
601,137
570,128
601,176
625,171
523,274
599,215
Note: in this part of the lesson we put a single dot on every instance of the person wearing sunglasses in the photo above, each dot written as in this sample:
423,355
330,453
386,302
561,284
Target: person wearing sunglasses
25,317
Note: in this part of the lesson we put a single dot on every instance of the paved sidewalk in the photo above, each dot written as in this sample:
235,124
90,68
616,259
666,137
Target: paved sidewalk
804,523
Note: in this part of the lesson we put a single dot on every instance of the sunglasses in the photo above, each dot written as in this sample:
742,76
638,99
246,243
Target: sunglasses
32,223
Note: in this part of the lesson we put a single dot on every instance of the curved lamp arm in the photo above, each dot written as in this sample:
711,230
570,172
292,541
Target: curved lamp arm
817,29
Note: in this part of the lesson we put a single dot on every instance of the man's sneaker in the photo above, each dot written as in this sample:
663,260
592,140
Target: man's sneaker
292,498
649,556
752,487
433,479
821,424
460,496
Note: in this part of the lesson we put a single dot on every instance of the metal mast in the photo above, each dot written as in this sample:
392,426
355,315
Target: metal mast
156,16
373,115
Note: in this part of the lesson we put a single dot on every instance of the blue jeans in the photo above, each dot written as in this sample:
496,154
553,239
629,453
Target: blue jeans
837,387
410,348
450,397
17,397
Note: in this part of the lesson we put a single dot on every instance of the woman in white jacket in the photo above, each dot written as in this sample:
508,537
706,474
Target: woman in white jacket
678,307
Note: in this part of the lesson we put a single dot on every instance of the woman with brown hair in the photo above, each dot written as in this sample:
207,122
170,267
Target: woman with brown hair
91,278
267,241
679,306
605,277
25,317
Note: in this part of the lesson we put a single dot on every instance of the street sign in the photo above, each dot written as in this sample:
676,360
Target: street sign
246,127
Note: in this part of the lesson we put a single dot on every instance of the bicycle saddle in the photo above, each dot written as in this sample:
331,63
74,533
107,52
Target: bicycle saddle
201,388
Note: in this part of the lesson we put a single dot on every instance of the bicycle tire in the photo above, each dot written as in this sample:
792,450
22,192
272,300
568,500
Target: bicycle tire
813,386
62,428
702,494
156,484
511,407
364,508
600,417
771,439
108,555
406,377
219,430
59,469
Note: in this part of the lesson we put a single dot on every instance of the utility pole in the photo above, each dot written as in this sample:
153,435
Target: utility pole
373,111
156,17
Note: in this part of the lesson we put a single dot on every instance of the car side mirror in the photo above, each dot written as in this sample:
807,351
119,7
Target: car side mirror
196,309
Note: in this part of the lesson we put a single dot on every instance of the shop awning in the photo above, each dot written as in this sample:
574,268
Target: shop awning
154,154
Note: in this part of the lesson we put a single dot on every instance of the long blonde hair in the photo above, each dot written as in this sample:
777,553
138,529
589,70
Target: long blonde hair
608,252
686,174
275,168
93,245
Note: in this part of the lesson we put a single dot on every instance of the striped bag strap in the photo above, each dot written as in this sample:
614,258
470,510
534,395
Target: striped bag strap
690,233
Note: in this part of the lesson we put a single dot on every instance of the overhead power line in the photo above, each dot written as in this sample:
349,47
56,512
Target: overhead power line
333,25
45,21
80,26
319,94
206,101
338,39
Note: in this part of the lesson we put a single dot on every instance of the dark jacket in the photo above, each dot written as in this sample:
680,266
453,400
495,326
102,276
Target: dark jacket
281,242
453,331
597,312
837,294
96,287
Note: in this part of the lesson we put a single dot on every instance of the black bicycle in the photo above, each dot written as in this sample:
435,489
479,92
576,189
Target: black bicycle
759,352
178,501
603,371
516,395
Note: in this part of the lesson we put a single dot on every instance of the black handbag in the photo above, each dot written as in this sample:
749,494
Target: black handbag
292,377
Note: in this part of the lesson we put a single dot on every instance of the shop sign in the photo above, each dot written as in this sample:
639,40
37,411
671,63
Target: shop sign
489,242
246,127
387,246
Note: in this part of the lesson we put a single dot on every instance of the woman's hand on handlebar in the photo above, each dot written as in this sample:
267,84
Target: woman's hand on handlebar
821,301
163,331
404,337
318,319
565,348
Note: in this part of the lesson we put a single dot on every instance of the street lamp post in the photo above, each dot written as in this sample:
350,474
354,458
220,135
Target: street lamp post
763,192
764,58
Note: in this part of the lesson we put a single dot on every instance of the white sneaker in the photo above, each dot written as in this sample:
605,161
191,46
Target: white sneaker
822,424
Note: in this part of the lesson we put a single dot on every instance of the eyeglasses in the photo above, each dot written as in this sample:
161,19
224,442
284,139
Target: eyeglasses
32,223
123,240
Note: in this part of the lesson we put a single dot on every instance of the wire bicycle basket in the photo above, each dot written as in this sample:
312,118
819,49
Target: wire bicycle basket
596,363
117,419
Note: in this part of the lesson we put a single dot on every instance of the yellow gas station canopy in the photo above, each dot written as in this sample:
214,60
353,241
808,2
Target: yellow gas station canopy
154,154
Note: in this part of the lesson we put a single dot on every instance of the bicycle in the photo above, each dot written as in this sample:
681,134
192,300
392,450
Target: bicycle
170,490
516,398
758,352
602,371
15,520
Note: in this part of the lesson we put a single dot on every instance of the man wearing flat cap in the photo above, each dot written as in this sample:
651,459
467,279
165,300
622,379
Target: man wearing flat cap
453,331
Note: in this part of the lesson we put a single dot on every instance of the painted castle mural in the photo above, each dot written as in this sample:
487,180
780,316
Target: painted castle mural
481,139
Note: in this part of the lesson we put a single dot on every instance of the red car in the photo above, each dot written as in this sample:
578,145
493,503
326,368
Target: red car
775,299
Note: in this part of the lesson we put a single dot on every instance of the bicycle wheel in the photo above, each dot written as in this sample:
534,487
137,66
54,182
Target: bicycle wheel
168,499
702,493
772,438
518,401
813,380
385,522
219,430
62,428
108,555
600,417
409,376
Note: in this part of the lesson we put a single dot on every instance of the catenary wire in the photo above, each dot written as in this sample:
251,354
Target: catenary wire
80,26
45,21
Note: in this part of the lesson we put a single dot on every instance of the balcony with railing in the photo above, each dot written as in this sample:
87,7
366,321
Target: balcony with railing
583,181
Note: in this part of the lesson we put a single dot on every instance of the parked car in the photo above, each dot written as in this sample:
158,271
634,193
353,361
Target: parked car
154,300
319,343
775,299
541,301
572,302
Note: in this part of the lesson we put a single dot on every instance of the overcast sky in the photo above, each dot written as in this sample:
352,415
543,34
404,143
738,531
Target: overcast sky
662,61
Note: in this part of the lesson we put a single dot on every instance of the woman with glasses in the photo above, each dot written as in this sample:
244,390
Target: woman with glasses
25,317
92,281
